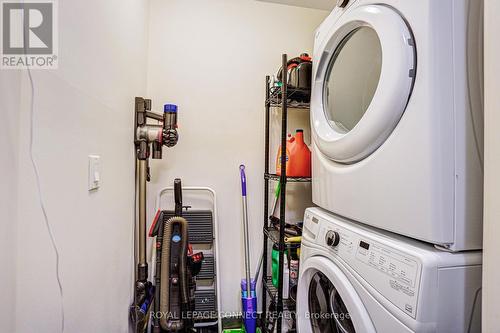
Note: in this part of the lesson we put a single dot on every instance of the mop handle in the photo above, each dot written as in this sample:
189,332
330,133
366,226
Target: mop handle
245,227
243,181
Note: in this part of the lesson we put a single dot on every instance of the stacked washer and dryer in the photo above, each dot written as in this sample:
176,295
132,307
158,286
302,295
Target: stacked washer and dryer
397,126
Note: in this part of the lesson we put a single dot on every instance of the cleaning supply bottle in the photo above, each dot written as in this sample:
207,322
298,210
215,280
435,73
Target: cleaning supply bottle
298,157
278,158
286,278
275,260
294,273
274,266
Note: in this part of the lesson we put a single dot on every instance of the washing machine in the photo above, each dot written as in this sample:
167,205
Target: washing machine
354,278
396,118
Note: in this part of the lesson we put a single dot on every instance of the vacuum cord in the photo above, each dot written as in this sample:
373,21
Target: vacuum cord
40,197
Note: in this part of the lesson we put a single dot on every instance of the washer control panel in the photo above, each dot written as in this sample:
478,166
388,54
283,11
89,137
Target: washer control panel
388,261
395,274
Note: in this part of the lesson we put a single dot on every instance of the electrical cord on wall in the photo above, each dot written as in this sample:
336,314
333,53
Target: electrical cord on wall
38,186
40,197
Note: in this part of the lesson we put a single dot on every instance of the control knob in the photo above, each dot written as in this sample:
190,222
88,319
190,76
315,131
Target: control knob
332,238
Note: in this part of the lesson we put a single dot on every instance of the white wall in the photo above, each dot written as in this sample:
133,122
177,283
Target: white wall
84,107
10,90
491,269
211,57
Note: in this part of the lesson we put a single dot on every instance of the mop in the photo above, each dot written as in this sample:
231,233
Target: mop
248,295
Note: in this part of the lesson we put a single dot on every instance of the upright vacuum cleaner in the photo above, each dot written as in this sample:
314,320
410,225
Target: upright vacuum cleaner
176,266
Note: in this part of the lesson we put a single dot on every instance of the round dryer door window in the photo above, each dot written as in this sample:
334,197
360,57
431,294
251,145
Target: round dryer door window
352,78
363,79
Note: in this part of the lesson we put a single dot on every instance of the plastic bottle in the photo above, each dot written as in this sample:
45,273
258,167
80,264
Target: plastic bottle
298,157
275,263
286,278
294,277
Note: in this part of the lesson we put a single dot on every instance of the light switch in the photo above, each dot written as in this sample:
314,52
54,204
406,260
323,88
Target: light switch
94,172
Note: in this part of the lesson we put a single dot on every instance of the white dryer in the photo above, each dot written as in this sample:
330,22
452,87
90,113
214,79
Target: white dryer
355,279
396,117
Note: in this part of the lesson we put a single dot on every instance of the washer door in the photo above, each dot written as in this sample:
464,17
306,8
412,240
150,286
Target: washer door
327,302
362,82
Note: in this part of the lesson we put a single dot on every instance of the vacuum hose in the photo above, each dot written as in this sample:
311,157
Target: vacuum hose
166,321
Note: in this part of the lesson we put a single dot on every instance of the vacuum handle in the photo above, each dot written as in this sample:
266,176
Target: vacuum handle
169,116
243,181
178,196
170,136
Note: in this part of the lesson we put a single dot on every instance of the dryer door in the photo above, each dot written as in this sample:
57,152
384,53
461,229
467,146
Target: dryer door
327,302
362,81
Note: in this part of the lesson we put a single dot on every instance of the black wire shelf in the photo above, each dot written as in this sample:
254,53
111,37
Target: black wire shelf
289,306
275,177
272,291
273,235
291,105
297,98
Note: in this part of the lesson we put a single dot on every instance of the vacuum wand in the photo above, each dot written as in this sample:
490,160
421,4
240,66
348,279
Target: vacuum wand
245,227
142,264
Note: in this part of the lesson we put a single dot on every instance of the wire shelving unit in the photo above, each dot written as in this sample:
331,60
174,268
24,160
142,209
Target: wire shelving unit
283,97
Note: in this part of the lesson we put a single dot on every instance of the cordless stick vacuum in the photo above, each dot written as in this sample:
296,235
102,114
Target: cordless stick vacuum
147,138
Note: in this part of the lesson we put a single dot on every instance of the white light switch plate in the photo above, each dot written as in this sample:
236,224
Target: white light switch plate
94,172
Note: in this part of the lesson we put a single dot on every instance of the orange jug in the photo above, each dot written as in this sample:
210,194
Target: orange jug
298,157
